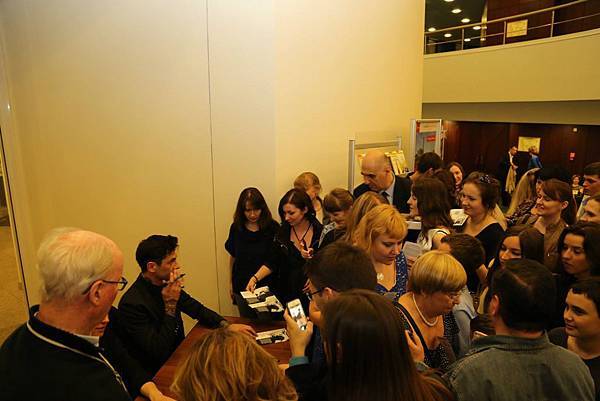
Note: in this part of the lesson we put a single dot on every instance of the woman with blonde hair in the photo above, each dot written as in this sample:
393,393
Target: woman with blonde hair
524,197
224,365
434,285
309,183
380,234
361,206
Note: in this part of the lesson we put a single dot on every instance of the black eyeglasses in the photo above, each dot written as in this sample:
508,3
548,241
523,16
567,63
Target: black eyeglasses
310,295
122,283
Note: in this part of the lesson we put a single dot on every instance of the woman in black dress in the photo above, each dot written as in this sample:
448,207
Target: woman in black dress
249,242
480,196
296,240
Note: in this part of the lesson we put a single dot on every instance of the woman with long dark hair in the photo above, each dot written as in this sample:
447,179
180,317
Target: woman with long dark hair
363,330
296,240
249,243
429,201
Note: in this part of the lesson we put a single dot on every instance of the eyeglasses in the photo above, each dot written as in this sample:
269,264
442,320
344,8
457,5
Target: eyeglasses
122,283
310,295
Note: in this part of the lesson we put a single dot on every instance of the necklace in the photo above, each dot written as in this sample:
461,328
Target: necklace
379,276
421,314
301,240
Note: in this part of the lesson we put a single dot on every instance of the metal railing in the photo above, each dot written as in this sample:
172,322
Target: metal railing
500,31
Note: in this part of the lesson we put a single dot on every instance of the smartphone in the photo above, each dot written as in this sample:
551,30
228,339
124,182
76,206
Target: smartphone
297,313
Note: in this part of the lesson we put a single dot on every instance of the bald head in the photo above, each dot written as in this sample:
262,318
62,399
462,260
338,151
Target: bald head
70,260
376,170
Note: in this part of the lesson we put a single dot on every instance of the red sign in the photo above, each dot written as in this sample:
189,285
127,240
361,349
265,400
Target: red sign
572,156
430,138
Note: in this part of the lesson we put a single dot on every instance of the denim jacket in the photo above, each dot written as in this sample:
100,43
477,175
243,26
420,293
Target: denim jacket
508,368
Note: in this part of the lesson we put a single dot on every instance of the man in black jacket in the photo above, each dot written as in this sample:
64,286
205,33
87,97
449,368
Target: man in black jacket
150,311
379,177
55,355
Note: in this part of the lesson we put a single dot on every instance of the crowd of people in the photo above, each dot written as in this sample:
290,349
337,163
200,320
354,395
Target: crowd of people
416,287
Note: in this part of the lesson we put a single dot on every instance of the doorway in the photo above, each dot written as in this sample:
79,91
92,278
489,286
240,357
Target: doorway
13,305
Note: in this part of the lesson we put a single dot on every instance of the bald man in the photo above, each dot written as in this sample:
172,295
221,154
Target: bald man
379,177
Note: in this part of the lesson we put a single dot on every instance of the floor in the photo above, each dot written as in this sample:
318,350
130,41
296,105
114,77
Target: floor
13,309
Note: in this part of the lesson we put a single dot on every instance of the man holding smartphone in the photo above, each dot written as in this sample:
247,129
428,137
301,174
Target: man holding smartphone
336,268
152,326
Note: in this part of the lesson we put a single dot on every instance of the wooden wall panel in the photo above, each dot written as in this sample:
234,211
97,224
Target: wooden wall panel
480,145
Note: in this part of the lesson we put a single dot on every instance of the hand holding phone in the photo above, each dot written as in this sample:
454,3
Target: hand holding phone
297,313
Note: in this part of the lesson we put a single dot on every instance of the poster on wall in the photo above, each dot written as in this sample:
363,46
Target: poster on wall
526,142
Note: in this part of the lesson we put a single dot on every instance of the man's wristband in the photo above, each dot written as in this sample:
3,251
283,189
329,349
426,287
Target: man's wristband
255,278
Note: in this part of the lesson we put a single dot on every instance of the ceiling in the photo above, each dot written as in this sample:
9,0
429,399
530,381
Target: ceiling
438,13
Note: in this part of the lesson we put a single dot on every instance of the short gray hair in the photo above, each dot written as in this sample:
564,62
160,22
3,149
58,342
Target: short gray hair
70,260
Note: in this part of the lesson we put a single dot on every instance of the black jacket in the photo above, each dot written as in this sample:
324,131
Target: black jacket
401,193
150,335
41,362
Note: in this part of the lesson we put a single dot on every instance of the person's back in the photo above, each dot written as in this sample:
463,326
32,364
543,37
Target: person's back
509,368
519,363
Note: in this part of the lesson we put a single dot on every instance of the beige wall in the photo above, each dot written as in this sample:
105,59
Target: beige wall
111,115
123,116
557,69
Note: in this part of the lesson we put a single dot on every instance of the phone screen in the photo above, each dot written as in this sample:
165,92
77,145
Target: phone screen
297,313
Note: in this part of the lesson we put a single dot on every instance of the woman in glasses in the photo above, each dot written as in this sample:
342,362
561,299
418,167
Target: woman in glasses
296,240
434,285
380,234
250,240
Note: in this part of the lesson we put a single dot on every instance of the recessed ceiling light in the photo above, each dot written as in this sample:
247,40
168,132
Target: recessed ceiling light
456,11
447,35
467,39
465,20
432,29
477,27
448,1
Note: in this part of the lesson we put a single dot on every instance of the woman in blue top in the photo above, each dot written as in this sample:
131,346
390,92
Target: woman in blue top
381,233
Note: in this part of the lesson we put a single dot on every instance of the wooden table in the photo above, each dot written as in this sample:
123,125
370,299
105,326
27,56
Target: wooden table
164,377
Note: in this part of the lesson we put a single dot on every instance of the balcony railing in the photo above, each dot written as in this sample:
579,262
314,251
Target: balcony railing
577,16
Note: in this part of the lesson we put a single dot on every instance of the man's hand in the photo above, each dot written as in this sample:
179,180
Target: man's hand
242,328
414,345
299,339
172,289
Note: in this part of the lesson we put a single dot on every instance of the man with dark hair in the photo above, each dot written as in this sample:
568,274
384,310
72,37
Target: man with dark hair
379,177
470,254
150,311
336,268
428,163
591,185
581,333
519,362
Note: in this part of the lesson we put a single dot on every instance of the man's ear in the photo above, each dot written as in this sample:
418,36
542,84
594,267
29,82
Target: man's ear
94,294
494,306
151,267
328,293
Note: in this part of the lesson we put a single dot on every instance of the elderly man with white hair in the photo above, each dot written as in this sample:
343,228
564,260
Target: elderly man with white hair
54,356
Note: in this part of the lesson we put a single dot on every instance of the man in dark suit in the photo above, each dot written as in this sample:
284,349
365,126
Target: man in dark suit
150,311
379,177
506,163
